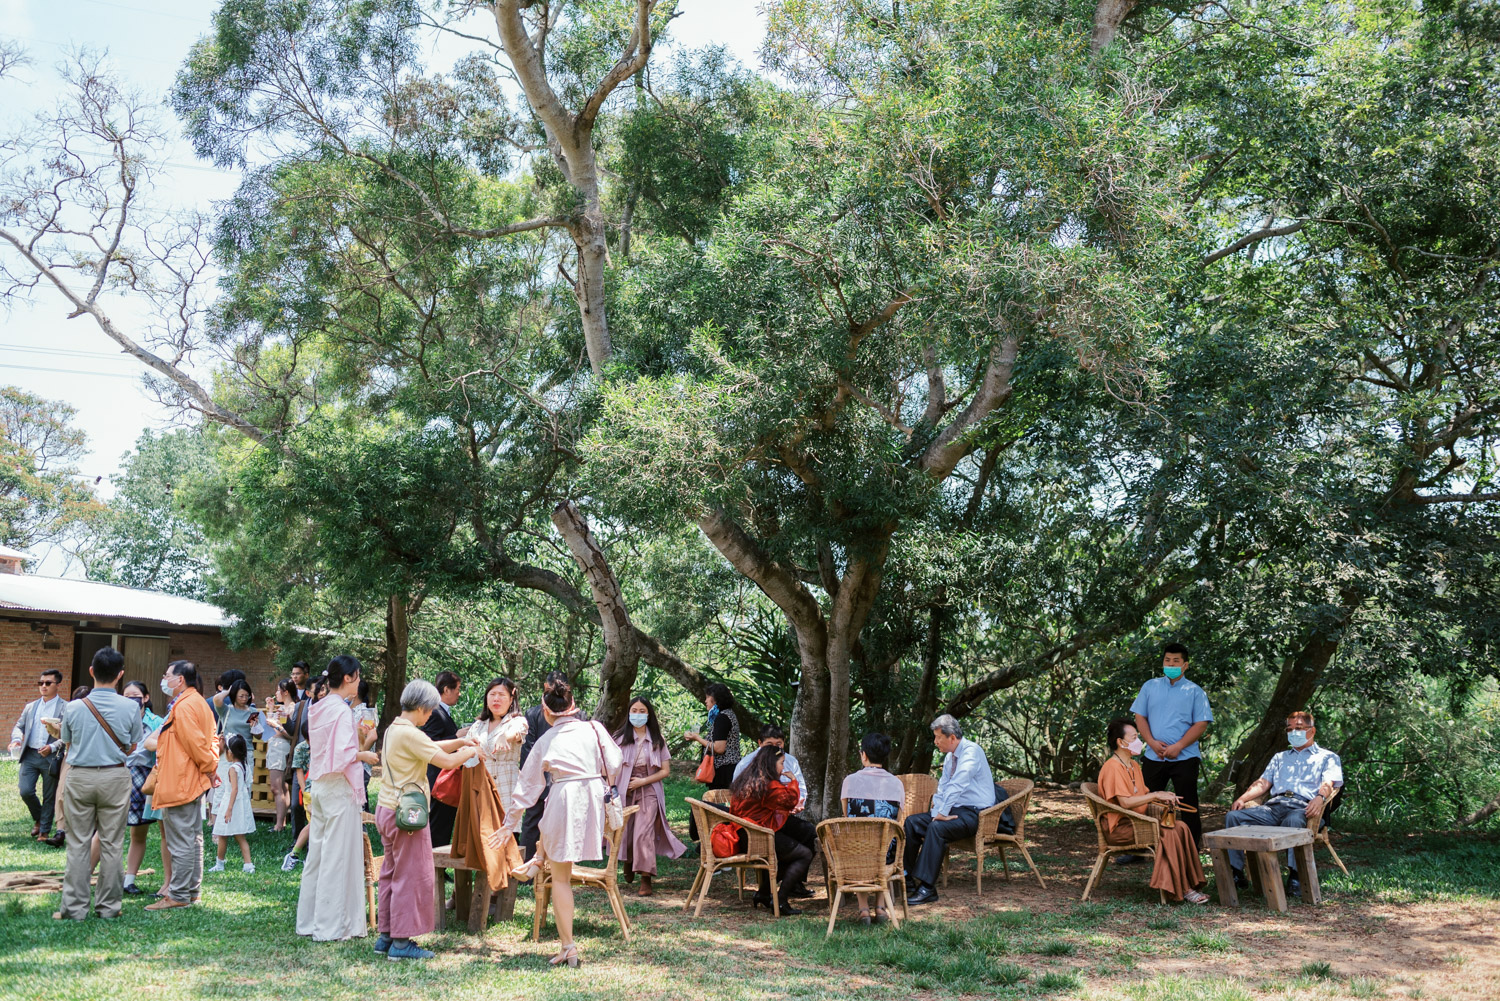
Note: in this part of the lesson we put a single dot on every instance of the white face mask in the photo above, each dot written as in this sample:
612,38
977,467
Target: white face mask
166,687
638,719
1296,738
1135,746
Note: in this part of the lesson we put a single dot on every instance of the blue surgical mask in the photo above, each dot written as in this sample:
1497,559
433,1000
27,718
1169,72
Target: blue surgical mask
1296,737
1172,673
166,689
638,719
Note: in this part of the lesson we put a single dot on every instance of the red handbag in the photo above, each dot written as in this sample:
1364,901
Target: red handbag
705,772
449,787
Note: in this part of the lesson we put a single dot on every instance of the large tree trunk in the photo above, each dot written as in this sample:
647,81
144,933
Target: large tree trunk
810,718
393,674
916,740
1299,680
1108,17
621,652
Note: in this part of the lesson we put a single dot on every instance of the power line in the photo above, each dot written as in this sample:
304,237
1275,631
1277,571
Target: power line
70,371
70,352
145,10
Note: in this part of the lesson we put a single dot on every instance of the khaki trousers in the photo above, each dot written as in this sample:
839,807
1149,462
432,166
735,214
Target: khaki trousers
95,801
182,831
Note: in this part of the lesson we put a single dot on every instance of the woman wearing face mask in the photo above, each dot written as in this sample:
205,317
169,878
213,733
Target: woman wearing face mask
647,763
1177,869
140,815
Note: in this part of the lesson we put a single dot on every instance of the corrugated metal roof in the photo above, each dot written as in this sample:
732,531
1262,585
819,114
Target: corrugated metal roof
87,599
14,554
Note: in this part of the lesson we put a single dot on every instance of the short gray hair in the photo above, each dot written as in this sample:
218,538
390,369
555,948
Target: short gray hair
946,724
419,694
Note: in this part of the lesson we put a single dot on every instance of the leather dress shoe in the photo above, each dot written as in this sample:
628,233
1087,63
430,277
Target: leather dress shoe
167,904
132,889
800,893
1293,887
56,840
924,895
1240,882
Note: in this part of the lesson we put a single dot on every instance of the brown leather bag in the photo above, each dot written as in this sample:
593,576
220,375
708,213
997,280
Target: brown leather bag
148,787
1168,818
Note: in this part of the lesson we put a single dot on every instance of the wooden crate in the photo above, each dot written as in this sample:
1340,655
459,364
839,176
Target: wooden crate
261,803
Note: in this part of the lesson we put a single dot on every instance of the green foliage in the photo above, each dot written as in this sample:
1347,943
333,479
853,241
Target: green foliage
41,499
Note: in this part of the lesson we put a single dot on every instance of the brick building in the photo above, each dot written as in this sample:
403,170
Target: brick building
54,622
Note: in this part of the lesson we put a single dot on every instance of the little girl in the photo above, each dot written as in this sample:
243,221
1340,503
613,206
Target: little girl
232,816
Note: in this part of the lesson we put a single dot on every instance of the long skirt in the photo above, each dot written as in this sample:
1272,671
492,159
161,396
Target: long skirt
404,906
1178,868
331,903
647,834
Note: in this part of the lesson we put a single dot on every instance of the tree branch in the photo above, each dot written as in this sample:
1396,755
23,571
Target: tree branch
945,451
1256,237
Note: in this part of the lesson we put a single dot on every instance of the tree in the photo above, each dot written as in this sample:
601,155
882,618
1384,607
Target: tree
41,498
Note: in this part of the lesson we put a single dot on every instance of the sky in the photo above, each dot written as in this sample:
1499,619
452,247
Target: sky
71,360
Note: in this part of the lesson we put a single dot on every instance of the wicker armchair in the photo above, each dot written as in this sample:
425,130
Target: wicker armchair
717,797
1146,834
1319,826
854,857
920,788
587,876
989,837
759,854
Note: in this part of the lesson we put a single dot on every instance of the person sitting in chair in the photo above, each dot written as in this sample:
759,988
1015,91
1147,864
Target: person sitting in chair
1301,781
967,786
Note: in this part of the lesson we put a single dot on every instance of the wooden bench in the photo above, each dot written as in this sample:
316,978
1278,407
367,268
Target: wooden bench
471,893
1263,847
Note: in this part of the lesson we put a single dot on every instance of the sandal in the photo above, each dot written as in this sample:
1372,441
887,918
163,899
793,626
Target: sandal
1194,897
568,955
880,915
864,915
526,871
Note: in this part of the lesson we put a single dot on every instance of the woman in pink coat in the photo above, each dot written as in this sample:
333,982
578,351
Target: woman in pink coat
647,763
581,761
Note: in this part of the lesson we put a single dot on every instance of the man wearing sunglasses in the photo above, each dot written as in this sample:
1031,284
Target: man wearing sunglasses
40,753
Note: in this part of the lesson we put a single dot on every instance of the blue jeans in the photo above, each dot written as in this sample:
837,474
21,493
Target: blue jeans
34,766
1284,811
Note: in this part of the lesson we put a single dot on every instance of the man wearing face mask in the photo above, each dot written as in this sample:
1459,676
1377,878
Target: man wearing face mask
1301,781
187,756
1171,714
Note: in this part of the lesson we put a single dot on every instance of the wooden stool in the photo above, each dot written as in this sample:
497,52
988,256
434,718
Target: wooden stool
1263,847
471,893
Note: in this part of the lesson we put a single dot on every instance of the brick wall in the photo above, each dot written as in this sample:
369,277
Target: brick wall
21,660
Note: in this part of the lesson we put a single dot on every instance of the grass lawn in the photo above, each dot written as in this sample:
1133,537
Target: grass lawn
1417,918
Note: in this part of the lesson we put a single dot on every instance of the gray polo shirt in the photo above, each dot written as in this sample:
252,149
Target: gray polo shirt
88,745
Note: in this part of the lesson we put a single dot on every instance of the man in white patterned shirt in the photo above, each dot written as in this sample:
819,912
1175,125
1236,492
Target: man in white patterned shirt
1301,781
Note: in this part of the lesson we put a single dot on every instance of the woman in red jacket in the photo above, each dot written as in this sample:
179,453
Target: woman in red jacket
761,797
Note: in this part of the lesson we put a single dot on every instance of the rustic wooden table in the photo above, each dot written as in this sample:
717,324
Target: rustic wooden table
471,893
1263,847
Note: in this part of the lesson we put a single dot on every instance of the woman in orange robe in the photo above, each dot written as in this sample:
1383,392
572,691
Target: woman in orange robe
1178,869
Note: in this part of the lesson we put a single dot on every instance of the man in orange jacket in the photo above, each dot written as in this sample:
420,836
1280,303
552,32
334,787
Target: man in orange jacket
187,756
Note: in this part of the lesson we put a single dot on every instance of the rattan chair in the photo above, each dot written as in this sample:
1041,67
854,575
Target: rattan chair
759,854
989,837
1319,826
1145,831
590,877
854,858
920,788
718,797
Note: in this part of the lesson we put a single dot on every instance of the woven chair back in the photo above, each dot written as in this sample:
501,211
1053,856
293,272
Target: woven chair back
855,848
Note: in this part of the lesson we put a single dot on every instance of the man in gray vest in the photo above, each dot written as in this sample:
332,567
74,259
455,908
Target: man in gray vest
100,730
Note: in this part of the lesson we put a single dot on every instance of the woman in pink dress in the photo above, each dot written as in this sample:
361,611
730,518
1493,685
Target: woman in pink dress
581,761
647,763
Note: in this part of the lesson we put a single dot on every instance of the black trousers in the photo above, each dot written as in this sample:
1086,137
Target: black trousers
723,776
793,859
440,817
805,834
531,828
1183,774
33,767
927,838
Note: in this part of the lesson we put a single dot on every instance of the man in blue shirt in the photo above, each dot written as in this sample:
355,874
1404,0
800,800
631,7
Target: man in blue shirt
967,786
1171,714
1301,782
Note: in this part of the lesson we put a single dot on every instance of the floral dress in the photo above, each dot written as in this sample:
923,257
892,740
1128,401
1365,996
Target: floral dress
501,753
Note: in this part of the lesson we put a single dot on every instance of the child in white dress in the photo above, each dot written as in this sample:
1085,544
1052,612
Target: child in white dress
232,815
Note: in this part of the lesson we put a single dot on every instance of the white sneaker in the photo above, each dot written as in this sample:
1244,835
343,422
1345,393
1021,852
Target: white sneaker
290,862
217,866
248,867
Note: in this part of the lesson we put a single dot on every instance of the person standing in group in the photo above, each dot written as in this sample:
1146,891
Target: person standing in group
40,752
440,727
300,674
966,787
238,714
404,905
722,742
187,756
537,723
647,763
232,815
580,761
331,902
296,730
499,732
1171,714
100,730
279,751
142,814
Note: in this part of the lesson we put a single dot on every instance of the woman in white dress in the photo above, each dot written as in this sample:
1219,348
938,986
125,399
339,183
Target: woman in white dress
500,730
581,760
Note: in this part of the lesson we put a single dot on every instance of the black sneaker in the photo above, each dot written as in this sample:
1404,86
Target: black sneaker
132,889
1293,887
